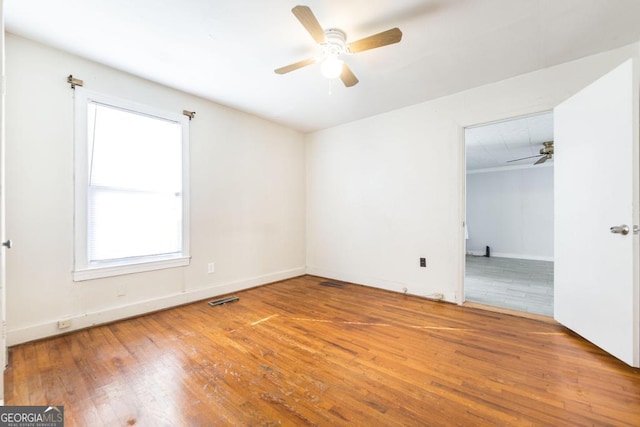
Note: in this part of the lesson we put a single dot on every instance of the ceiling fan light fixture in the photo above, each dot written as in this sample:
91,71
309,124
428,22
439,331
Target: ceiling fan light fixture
333,43
331,67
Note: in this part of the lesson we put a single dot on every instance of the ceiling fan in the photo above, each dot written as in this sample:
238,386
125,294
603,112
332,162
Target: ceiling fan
333,44
546,153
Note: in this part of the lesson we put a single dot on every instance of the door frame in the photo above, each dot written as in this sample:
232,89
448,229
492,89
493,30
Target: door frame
4,359
462,165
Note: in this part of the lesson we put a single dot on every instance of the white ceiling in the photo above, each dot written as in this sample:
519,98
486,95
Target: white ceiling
494,145
226,51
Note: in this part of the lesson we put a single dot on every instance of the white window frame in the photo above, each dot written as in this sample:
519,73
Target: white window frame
83,270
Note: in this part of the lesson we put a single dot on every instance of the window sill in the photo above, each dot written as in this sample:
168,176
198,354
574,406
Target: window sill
119,270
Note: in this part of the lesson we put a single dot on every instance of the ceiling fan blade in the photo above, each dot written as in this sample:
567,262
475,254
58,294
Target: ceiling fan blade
348,78
541,160
309,21
292,67
524,158
384,38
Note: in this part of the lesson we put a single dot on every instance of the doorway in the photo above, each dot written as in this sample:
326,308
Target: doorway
509,214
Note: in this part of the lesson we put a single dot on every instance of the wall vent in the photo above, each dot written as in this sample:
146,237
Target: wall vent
223,301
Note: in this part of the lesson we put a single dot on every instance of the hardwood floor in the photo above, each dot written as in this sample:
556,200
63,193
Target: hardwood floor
299,353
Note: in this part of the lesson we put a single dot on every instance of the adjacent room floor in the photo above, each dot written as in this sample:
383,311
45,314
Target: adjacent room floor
516,284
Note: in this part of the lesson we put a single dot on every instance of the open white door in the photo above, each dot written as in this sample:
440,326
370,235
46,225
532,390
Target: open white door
596,187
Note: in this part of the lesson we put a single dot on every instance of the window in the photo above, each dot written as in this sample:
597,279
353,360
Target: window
131,181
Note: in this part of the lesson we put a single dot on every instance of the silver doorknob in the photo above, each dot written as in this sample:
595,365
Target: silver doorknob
7,244
620,229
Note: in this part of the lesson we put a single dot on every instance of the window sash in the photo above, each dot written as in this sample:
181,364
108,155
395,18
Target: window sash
115,234
125,255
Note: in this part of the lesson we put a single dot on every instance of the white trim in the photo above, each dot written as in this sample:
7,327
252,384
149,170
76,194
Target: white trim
186,194
80,178
82,269
86,96
462,217
4,359
86,320
507,118
138,267
513,256
449,296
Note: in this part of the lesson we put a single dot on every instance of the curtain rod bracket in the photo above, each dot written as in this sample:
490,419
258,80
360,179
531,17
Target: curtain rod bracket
74,82
190,114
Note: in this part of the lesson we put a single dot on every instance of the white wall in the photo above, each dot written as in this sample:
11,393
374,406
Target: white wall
386,190
247,199
512,212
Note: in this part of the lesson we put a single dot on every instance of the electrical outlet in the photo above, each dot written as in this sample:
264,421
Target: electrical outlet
423,262
64,324
211,268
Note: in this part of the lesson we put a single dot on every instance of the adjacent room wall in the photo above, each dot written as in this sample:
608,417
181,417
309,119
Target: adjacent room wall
386,190
512,212
247,199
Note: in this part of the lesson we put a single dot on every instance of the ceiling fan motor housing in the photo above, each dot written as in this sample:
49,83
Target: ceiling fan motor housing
335,45
547,150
